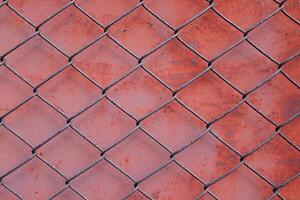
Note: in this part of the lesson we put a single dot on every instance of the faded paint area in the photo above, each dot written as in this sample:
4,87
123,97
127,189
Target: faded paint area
172,182
11,145
106,11
244,13
279,37
280,160
209,96
71,30
68,194
174,64
137,196
245,61
139,93
292,69
176,12
12,90
281,94
114,129
208,158
210,35
174,136
104,124
293,7
243,129
105,62
207,197
36,60
69,91
291,191
291,130
35,121
14,26
38,10
5,194
138,155
103,182
242,184
135,30
27,180
63,152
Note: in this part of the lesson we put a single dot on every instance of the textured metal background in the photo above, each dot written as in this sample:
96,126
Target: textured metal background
171,99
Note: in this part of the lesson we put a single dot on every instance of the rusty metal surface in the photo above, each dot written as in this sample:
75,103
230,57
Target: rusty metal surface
136,100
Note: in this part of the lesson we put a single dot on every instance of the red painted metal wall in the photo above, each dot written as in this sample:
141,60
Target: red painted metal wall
166,100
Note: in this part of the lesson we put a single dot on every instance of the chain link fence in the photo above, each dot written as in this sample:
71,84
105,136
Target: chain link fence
180,96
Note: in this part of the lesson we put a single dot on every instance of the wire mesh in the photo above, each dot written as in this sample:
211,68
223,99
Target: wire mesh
174,97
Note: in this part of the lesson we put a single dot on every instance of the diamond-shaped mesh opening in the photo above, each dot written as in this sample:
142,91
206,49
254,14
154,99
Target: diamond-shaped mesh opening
149,99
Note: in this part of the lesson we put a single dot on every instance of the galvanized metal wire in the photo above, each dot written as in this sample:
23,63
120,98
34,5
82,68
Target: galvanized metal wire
173,98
